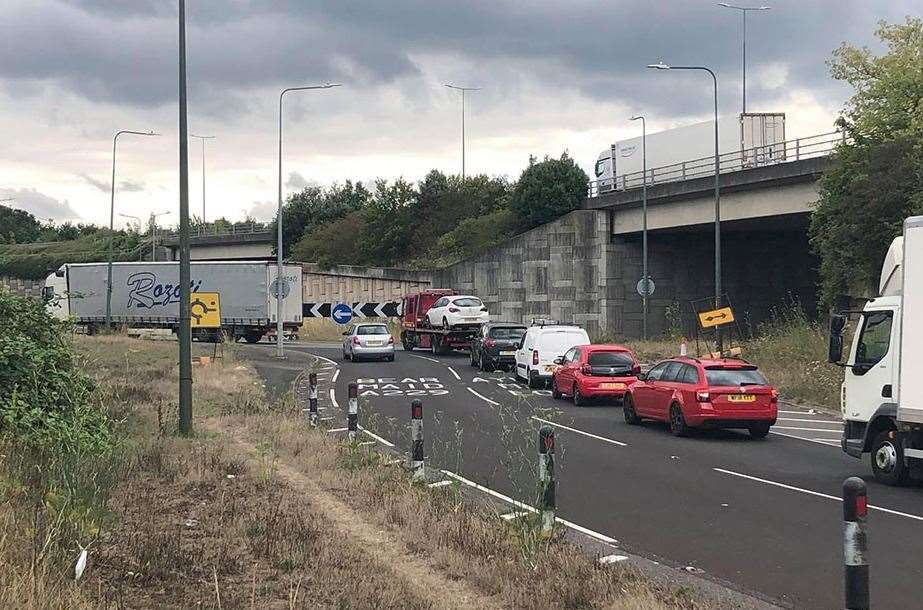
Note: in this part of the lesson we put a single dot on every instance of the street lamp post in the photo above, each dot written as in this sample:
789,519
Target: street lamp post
744,10
662,66
154,234
279,295
645,283
202,139
463,90
115,140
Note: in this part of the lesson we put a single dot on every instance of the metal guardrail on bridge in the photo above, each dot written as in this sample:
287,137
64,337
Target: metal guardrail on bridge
760,156
237,228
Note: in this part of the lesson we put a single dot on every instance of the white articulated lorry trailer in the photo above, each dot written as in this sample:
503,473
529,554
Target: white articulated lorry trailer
761,135
882,393
147,295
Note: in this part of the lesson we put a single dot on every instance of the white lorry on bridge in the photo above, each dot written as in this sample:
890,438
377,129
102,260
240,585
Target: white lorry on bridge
882,393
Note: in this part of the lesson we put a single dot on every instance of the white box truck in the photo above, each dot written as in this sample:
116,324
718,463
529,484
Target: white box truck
882,392
146,295
758,137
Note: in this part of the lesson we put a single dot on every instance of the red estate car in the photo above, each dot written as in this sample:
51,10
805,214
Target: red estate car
692,393
594,371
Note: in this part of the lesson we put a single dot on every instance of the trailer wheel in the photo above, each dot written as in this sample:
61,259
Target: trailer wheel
888,460
435,344
253,336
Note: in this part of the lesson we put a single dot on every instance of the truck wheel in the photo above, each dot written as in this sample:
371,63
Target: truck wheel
435,344
407,342
888,460
253,336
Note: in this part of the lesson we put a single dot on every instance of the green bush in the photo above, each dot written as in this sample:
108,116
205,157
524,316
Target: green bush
46,402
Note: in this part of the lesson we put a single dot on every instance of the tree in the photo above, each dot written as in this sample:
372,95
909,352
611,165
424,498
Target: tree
876,179
314,206
547,190
18,226
390,219
334,243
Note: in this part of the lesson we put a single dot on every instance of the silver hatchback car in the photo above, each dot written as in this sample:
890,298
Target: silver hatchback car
368,340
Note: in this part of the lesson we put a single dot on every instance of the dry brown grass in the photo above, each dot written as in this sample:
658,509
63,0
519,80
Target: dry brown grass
324,329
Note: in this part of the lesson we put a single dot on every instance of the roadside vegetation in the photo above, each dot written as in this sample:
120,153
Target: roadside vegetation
255,510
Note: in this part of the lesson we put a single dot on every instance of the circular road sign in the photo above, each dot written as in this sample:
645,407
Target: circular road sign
274,288
645,287
341,313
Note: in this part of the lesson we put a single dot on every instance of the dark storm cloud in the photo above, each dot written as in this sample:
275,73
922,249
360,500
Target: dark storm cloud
101,185
125,51
39,205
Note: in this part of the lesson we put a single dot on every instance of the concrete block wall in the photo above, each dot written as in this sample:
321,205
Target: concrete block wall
557,271
26,288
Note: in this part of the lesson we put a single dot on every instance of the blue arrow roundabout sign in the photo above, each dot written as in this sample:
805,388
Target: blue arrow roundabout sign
342,313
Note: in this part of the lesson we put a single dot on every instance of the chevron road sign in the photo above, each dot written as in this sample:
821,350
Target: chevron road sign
386,309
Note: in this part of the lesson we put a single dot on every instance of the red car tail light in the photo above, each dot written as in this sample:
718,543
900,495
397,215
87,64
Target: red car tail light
535,356
454,309
702,396
586,369
355,340
774,396
488,343
390,340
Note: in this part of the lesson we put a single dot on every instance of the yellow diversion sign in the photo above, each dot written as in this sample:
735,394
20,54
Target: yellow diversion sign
205,310
716,317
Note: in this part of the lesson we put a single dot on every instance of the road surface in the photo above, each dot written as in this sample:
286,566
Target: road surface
762,516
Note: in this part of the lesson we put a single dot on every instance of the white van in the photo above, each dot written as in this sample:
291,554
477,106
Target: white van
540,346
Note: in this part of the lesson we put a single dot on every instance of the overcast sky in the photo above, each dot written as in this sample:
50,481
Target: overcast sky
556,75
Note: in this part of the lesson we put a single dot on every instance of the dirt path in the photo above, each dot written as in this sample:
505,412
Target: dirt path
392,555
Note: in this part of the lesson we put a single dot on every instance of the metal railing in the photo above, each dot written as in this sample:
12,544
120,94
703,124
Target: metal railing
236,228
760,156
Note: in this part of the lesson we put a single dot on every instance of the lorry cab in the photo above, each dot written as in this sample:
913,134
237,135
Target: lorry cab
55,294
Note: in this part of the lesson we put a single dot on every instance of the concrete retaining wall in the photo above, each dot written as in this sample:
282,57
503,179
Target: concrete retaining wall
26,288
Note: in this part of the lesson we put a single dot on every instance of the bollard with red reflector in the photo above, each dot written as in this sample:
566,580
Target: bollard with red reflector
546,499
352,412
855,543
416,441
312,399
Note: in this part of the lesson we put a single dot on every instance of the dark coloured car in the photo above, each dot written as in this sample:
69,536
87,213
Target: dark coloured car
495,345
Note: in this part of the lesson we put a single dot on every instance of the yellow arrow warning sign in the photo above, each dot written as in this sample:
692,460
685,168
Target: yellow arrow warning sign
205,310
716,317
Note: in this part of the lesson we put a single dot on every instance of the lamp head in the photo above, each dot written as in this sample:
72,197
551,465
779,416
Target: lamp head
636,117
659,66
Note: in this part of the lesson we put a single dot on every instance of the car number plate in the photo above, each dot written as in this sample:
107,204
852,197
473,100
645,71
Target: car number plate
507,353
375,343
612,386
741,398
474,319
549,368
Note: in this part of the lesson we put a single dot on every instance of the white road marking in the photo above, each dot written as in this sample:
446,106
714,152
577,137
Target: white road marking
384,442
813,421
326,418
800,438
441,483
516,514
612,559
826,441
425,358
808,429
335,375
484,398
332,430
526,507
563,427
367,443
451,370
333,399
801,412
814,493
325,359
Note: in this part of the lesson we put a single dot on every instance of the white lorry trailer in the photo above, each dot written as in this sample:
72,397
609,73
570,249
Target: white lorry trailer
760,135
882,393
146,295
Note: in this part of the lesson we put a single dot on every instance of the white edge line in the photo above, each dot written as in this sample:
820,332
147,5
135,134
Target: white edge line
441,483
814,493
600,438
333,399
801,412
813,421
801,438
384,442
526,507
331,430
484,398
335,375
326,359
451,370
808,429
612,559
425,358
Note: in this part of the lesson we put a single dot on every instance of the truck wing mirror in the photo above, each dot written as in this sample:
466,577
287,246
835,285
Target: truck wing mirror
835,347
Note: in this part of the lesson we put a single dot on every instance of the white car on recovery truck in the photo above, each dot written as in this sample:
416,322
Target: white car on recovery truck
882,393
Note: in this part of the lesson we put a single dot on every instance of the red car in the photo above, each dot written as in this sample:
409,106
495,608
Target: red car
692,393
594,371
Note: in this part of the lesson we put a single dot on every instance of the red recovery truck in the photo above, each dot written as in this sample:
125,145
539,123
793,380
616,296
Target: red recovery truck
416,330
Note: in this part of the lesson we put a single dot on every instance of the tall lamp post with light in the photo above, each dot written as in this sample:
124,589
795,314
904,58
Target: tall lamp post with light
138,221
154,233
744,10
279,292
645,284
463,90
202,139
663,66
115,141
